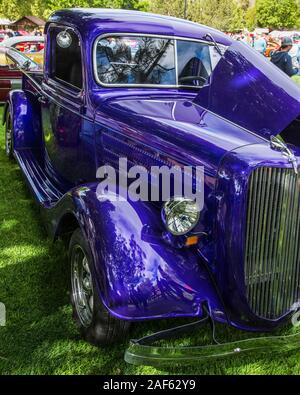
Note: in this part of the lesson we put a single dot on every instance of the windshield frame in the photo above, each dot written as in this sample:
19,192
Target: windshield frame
158,36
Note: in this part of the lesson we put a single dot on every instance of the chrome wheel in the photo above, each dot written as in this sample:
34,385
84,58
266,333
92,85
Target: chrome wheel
91,316
8,137
82,286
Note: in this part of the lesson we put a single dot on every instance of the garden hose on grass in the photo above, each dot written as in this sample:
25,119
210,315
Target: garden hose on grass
141,352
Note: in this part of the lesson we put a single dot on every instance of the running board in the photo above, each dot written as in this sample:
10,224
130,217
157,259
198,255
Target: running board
42,187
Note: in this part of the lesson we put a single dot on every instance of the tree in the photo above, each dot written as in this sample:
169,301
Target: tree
14,9
244,4
250,18
237,20
226,15
221,14
124,4
163,7
277,14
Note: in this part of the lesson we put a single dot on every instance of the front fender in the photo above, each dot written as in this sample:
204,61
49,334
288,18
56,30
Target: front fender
139,276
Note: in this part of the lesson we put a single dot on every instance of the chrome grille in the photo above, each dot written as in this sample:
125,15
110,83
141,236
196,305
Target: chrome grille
272,260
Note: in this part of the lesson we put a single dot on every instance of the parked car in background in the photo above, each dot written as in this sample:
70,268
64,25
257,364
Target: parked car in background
11,61
162,91
32,46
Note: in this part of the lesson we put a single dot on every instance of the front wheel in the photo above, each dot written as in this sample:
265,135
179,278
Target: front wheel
96,324
9,136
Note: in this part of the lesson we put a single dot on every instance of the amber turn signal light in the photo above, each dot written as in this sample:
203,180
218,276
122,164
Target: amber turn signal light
191,241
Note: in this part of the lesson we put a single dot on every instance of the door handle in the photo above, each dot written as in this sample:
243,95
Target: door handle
42,99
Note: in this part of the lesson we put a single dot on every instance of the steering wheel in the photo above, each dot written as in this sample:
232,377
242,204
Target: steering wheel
192,78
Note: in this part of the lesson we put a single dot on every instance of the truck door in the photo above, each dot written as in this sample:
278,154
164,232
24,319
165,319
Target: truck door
68,135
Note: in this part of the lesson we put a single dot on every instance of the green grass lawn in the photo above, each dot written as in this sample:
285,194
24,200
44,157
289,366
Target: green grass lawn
40,337
296,78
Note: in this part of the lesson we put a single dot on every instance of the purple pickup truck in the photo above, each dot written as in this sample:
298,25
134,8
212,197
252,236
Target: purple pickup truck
160,91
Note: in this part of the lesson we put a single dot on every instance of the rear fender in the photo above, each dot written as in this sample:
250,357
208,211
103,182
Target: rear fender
25,113
139,276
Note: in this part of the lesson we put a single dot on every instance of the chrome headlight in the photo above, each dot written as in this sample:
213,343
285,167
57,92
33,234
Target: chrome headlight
180,215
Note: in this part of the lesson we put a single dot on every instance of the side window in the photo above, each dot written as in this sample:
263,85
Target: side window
136,60
66,64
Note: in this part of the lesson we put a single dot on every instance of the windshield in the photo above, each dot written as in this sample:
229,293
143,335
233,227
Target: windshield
130,60
12,58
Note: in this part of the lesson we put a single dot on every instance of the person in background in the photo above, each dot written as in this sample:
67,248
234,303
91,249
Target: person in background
260,44
36,32
298,54
7,34
244,38
283,59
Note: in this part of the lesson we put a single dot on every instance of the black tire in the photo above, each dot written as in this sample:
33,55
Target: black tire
9,150
96,324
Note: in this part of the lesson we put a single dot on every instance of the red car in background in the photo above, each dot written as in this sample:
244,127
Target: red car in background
25,43
11,64
32,46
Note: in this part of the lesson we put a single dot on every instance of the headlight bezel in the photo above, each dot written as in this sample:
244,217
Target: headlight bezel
176,208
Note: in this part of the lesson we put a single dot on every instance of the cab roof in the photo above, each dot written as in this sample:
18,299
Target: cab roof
91,22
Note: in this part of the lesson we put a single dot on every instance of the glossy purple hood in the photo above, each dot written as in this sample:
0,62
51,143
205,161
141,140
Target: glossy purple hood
251,92
173,123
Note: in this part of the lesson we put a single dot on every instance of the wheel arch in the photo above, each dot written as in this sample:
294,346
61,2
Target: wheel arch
66,226
138,275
